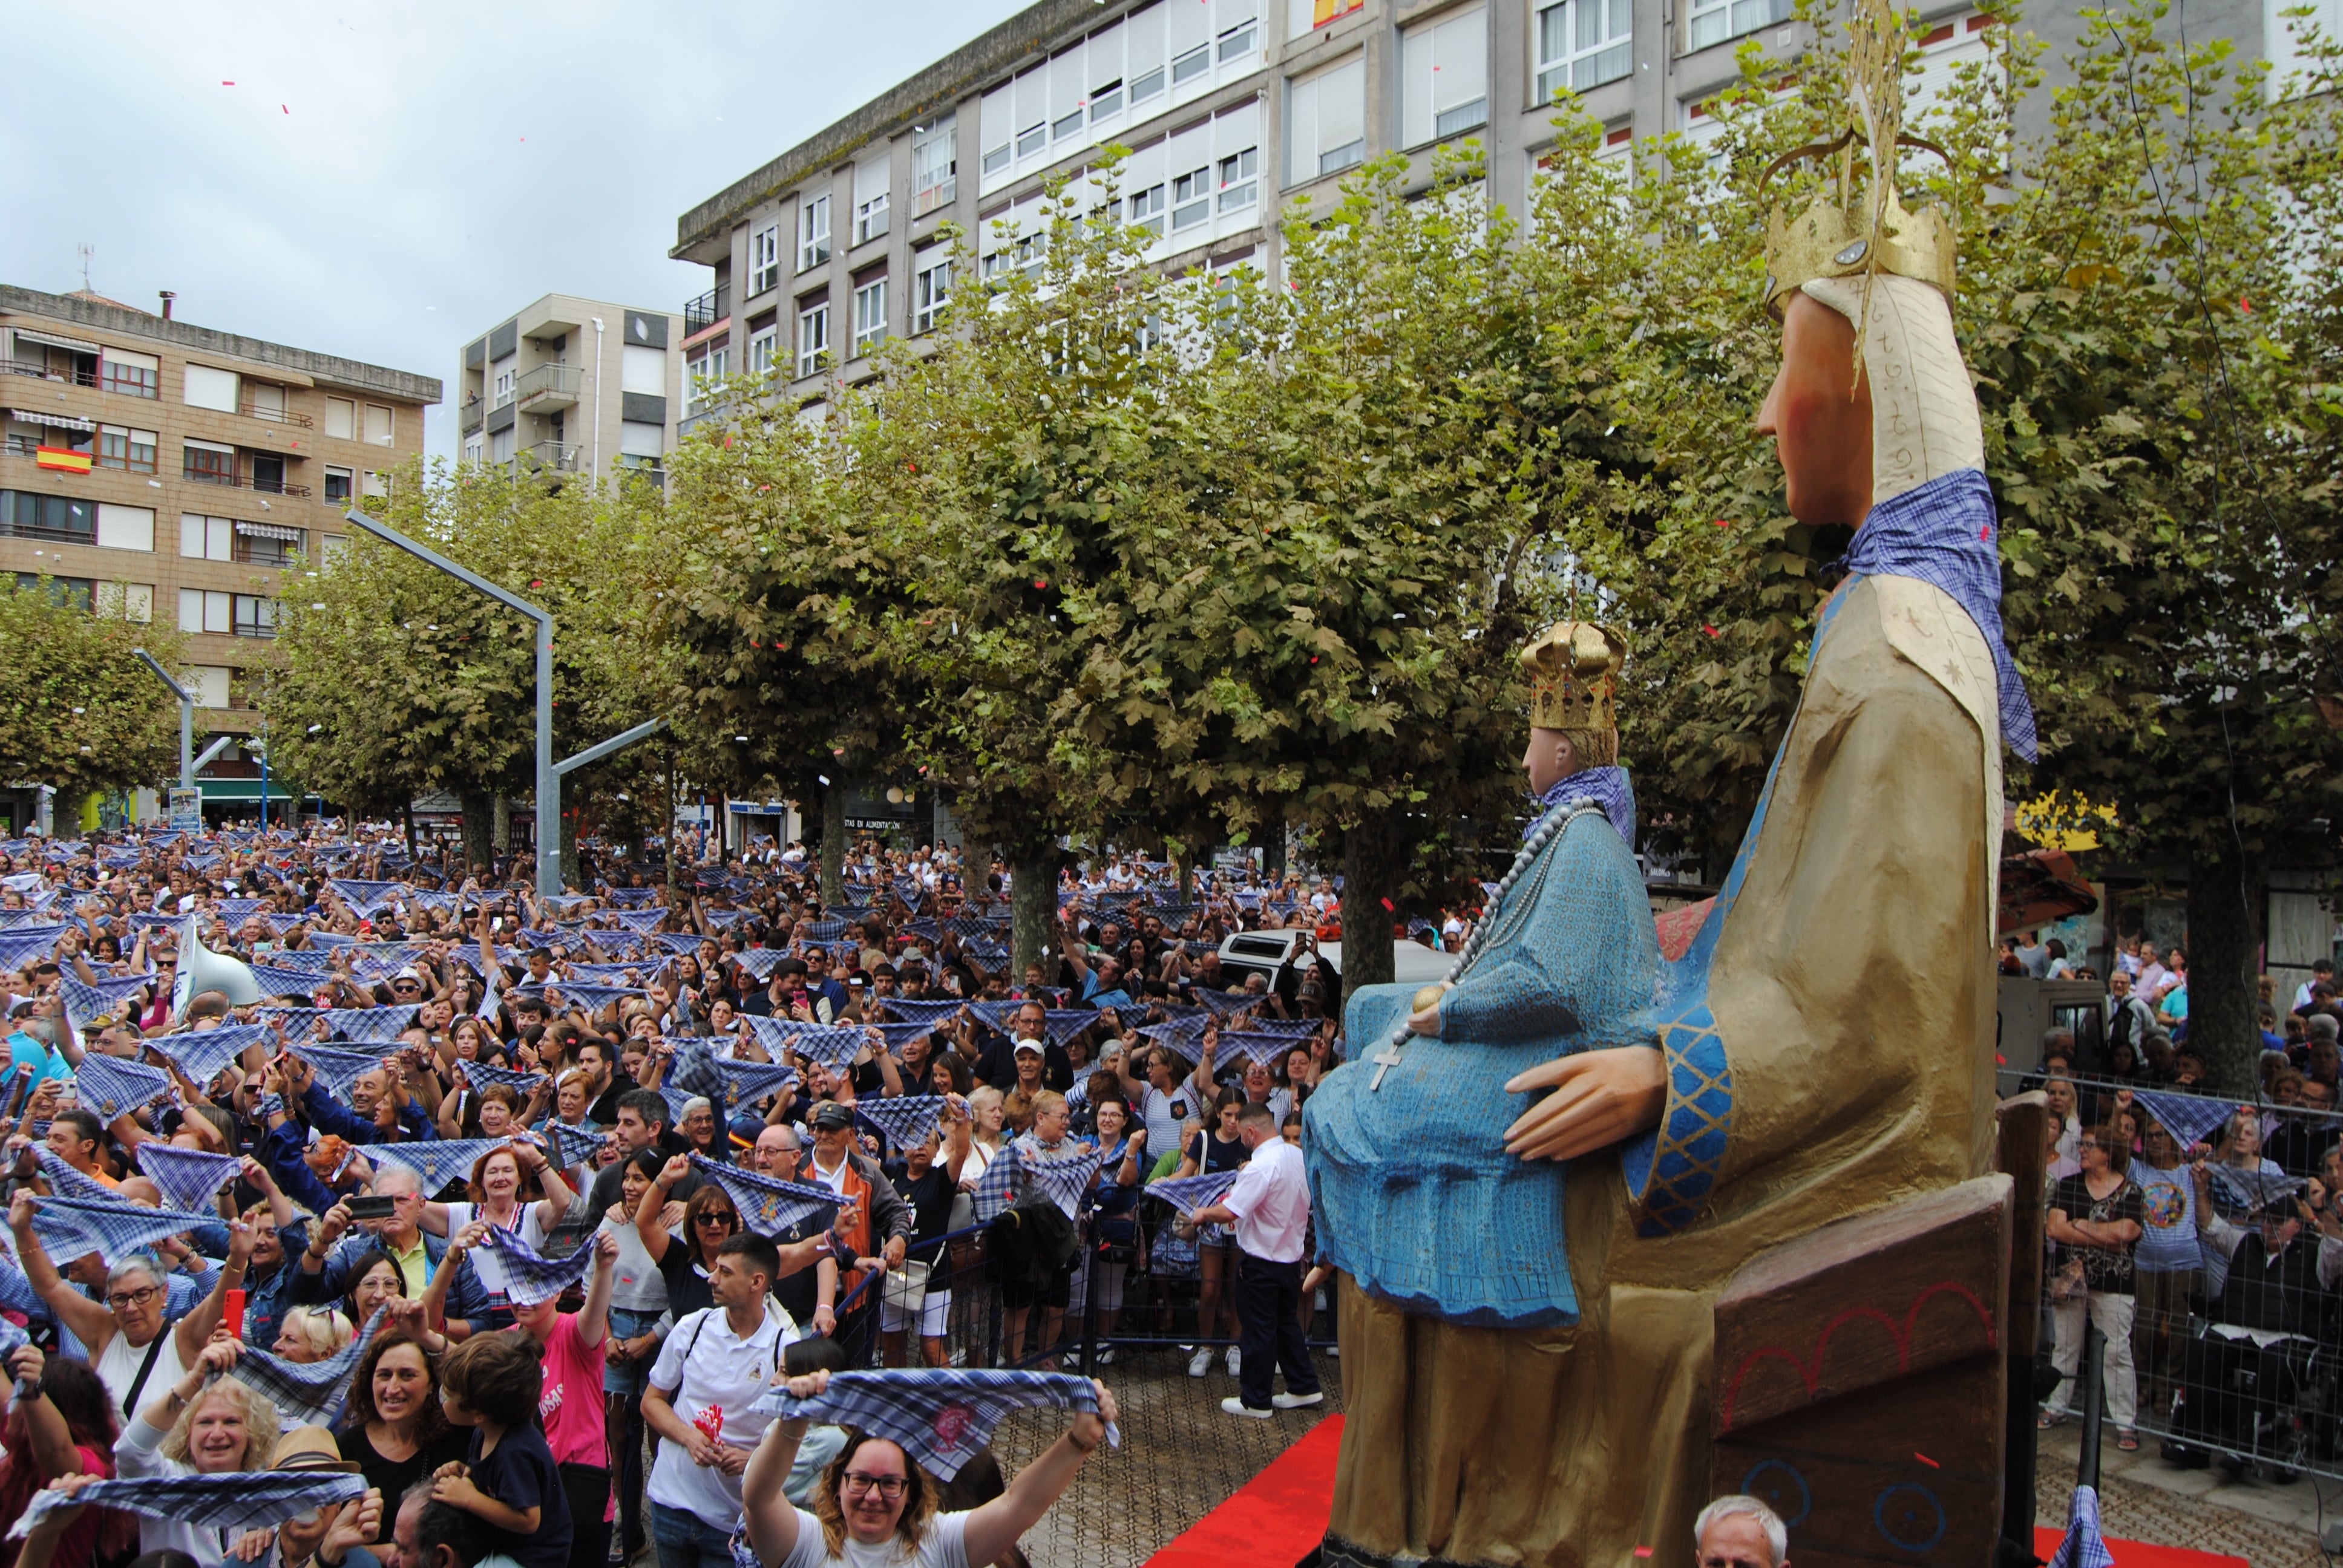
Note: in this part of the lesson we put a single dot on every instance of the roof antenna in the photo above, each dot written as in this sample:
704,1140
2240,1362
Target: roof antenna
86,251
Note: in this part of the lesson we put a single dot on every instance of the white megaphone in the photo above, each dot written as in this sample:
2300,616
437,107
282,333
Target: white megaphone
202,970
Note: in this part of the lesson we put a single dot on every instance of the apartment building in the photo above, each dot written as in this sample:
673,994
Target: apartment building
573,386
181,472
1231,109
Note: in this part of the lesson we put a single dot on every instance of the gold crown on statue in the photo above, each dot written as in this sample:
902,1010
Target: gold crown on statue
1847,233
1574,669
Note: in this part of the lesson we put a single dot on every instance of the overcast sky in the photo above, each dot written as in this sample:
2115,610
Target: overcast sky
387,181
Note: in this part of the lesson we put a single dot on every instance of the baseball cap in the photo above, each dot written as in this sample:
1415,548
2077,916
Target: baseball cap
829,1114
1025,1045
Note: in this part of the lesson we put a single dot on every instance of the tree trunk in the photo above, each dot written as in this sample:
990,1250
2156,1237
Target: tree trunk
1375,854
833,843
479,812
500,827
1273,852
406,813
572,874
2227,890
1032,907
673,838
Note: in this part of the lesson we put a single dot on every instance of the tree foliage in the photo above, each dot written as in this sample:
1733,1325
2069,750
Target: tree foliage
79,711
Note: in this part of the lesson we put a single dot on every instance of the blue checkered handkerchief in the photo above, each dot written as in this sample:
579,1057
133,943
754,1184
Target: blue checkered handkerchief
368,1025
188,1178
589,998
767,1206
940,1417
113,1230
576,1145
905,1120
67,1183
1223,1003
831,1048
747,1083
927,1012
111,1087
336,1068
530,1277
307,1395
2084,1546
1254,1045
2189,1117
85,1004
1190,1193
203,1053
1063,1175
519,1080
236,1500
435,1162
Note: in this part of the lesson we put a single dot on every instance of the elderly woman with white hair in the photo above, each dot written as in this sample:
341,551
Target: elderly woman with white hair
1741,1531
194,1430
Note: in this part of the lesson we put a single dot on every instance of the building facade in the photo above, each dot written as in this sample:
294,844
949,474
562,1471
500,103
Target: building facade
1231,109
573,386
181,473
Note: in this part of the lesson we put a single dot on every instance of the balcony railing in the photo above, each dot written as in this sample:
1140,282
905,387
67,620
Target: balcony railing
66,536
43,373
243,481
547,456
558,382
708,310
275,416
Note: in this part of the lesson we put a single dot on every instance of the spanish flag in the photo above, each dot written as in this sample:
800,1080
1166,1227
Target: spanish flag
59,457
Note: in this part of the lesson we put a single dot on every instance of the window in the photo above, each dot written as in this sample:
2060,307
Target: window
1106,101
126,528
1583,43
333,549
763,345
371,483
207,463
121,447
1944,49
132,374
813,336
870,316
264,400
203,609
1444,77
639,443
765,258
203,539
995,129
60,520
930,289
1142,56
813,232
338,481
1240,31
255,617
702,374
132,602
1714,21
473,451
379,429
271,544
206,387
74,591
2283,38
504,443
1192,197
1329,115
934,168
209,683
1147,208
341,418
1240,179
870,217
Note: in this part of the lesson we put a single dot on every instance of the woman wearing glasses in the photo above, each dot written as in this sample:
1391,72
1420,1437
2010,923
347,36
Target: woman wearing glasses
708,1221
2095,1218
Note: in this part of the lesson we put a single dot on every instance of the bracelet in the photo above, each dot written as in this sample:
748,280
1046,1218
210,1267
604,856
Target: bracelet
1080,1447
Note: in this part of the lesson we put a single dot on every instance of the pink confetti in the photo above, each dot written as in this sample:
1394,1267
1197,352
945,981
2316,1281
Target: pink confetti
1640,1551
1926,1459
282,107
1985,532
1387,904
1711,631
228,84
1722,523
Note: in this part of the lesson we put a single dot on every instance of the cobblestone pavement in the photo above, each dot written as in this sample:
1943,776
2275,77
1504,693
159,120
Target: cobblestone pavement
1181,1457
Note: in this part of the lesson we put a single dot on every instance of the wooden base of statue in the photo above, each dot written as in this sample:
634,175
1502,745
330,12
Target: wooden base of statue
2024,1157
1861,1378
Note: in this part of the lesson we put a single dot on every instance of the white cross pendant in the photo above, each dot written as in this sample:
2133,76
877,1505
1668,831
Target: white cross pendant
1384,1060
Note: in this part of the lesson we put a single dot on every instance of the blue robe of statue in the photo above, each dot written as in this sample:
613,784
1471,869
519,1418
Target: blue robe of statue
1413,1193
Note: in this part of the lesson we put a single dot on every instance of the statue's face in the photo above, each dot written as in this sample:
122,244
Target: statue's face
1550,759
1821,436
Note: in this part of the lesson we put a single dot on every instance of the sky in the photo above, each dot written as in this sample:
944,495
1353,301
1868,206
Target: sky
387,181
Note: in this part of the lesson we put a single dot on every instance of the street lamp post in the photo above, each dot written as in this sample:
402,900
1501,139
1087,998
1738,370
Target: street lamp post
548,780
187,717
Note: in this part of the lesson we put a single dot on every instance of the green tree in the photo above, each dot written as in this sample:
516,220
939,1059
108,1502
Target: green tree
79,711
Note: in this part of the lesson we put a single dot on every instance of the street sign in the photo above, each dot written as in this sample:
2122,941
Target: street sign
186,811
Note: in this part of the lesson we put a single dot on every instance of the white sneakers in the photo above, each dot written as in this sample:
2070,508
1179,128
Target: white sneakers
1200,1362
1296,1401
1235,1362
1236,1406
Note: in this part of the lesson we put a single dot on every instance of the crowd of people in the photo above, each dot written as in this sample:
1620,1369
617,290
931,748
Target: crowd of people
324,1156
2203,1237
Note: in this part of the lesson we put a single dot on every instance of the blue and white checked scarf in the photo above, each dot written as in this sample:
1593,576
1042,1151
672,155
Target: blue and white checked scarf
1179,1034
2252,1189
1063,1175
601,974
904,1120
589,998
1943,533
490,991
2189,1117
20,948
113,1230
1299,1028
435,1162
694,1069
2084,1546
998,1015
747,1083
188,1178
640,919
767,1205
85,1004
679,1099
238,1500
522,1082
1060,1025
1190,1193
111,1087
1257,1045
773,1033
760,962
940,1417
69,1182
831,1048
927,1012
338,1069
284,979
529,1276
1608,787
363,898
576,1145
899,1035
368,1025
202,1053
299,1023
725,919
674,941
1224,1002
310,1393
12,1339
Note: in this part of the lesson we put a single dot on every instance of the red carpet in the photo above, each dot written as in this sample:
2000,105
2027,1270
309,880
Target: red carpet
1280,1514
1275,1518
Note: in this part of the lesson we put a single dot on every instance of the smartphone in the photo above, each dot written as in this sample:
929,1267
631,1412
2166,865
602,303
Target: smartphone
371,1207
232,1315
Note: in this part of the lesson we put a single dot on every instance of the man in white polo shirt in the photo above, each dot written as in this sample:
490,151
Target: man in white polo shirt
714,1364
1269,1207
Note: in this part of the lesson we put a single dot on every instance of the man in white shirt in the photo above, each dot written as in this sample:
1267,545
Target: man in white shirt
1269,1208
714,1364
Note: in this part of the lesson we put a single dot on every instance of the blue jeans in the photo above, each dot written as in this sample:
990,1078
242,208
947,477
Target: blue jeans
685,1539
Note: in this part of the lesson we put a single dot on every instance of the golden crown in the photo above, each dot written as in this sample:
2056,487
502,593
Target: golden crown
1845,233
1574,670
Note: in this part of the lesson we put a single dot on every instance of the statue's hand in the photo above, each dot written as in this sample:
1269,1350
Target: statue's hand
1425,1018
1599,1097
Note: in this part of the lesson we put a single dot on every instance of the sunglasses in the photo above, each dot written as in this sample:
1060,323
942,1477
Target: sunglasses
713,1218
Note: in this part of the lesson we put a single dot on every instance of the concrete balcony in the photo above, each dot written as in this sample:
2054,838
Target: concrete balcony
550,387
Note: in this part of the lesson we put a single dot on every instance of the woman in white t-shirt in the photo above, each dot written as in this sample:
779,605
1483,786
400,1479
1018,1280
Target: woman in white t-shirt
876,1508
